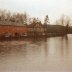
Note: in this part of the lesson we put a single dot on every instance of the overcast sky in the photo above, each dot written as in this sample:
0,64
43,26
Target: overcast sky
39,8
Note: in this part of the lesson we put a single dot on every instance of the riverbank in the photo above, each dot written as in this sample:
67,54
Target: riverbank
32,37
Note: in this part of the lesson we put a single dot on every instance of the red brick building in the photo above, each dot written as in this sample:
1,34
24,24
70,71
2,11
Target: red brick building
12,30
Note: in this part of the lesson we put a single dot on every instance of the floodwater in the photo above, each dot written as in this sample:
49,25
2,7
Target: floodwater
53,54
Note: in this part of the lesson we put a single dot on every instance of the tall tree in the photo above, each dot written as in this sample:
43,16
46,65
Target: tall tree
46,20
62,20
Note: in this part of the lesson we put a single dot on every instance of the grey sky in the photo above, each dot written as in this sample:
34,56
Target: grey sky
39,8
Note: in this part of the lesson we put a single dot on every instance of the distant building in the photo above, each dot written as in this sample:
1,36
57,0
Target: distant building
12,30
35,29
18,30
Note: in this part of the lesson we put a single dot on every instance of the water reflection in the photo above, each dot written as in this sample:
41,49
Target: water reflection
49,46
64,46
42,52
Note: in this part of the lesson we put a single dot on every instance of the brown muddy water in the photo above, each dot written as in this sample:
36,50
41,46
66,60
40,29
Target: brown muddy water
53,54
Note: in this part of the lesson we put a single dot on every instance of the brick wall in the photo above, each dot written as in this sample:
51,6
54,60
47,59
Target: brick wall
12,29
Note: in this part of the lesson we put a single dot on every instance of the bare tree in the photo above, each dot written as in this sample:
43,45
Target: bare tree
67,21
25,17
8,16
22,18
2,15
34,20
64,20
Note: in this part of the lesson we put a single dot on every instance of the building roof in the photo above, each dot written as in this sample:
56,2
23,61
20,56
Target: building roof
5,23
34,25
